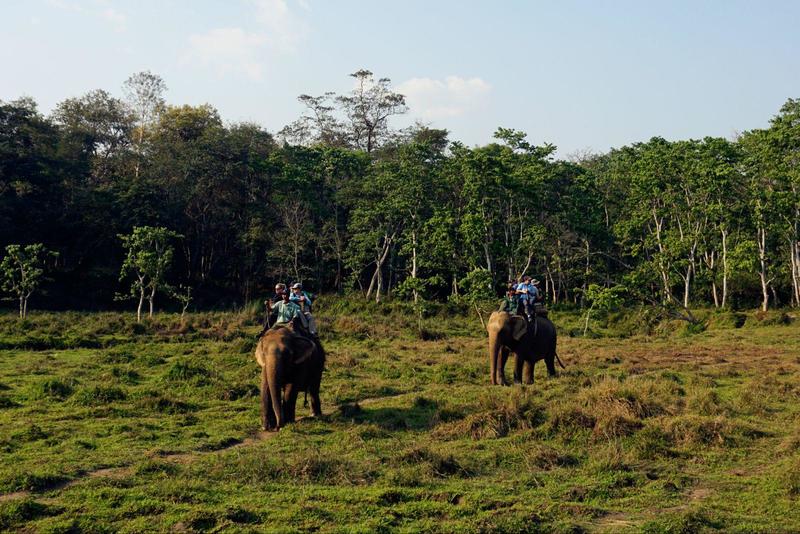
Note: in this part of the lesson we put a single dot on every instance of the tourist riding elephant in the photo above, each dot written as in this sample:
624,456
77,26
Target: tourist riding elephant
529,343
290,363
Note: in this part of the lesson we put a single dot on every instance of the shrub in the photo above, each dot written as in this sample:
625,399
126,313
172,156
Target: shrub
183,371
546,458
159,403
6,402
17,512
503,416
436,465
33,433
55,388
99,395
696,430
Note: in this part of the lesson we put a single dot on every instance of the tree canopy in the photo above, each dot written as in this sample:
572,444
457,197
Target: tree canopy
343,201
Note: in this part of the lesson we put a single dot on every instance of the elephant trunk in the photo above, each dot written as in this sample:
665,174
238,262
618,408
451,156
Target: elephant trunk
273,370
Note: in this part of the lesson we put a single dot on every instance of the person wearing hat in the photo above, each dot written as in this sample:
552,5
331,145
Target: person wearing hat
303,299
510,304
285,311
528,293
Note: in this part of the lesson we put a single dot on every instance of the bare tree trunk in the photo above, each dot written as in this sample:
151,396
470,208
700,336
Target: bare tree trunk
21,307
377,276
414,263
794,251
661,265
724,267
152,299
139,308
762,274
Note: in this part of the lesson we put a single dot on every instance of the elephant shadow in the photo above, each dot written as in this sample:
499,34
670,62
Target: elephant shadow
421,415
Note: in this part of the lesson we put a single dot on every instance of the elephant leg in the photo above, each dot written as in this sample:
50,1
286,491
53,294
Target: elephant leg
501,368
528,372
550,362
518,361
290,402
316,405
268,421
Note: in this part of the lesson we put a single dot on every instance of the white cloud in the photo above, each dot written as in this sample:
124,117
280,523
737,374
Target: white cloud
275,28
228,50
282,27
93,8
114,17
454,96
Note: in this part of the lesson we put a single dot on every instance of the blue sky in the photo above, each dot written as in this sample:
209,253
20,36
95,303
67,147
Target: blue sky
586,75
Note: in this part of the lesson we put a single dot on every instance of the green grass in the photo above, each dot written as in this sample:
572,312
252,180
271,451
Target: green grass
109,426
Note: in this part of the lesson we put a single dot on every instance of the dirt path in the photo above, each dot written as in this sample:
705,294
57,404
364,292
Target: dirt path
617,521
182,458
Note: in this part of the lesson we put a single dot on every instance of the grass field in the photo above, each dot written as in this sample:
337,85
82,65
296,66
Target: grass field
110,426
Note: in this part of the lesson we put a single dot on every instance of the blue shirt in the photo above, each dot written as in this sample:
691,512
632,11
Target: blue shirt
532,294
293,297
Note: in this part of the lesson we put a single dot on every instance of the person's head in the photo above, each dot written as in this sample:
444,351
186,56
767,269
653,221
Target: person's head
280,288
297,287
526,279
285,296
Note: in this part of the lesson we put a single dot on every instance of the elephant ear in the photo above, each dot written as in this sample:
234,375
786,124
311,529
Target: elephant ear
302,349
518,327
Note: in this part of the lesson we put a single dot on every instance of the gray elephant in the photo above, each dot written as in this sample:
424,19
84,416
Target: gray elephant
529,343
290,363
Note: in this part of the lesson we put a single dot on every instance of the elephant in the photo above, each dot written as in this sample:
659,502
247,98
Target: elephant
290,363
511,333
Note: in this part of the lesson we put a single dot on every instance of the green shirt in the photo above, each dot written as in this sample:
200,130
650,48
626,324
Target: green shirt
286,311
509,304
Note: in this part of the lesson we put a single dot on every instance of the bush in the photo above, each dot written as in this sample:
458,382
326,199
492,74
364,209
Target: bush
696,430
503,416
183,371
99,395
17,512
55,388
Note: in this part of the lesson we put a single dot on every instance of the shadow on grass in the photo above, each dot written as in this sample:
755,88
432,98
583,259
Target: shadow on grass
421,415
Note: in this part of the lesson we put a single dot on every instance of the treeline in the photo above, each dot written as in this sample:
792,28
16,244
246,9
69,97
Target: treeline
343,202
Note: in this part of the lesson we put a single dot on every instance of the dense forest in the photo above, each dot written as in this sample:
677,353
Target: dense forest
345,202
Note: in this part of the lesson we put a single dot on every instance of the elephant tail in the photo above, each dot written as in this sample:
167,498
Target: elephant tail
559,361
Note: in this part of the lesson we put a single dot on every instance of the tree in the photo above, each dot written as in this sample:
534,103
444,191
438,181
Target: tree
145,94
22,272
368,108
99,126
148,257
602,299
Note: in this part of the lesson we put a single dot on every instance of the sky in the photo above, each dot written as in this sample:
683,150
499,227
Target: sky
585,76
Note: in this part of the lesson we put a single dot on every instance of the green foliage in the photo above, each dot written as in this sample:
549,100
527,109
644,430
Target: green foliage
22,271
347,202
149,256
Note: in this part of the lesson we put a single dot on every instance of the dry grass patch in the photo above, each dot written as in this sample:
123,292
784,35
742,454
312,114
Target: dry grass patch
499,418
698,430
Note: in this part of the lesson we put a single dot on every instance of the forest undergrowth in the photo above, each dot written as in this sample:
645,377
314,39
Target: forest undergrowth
657,426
